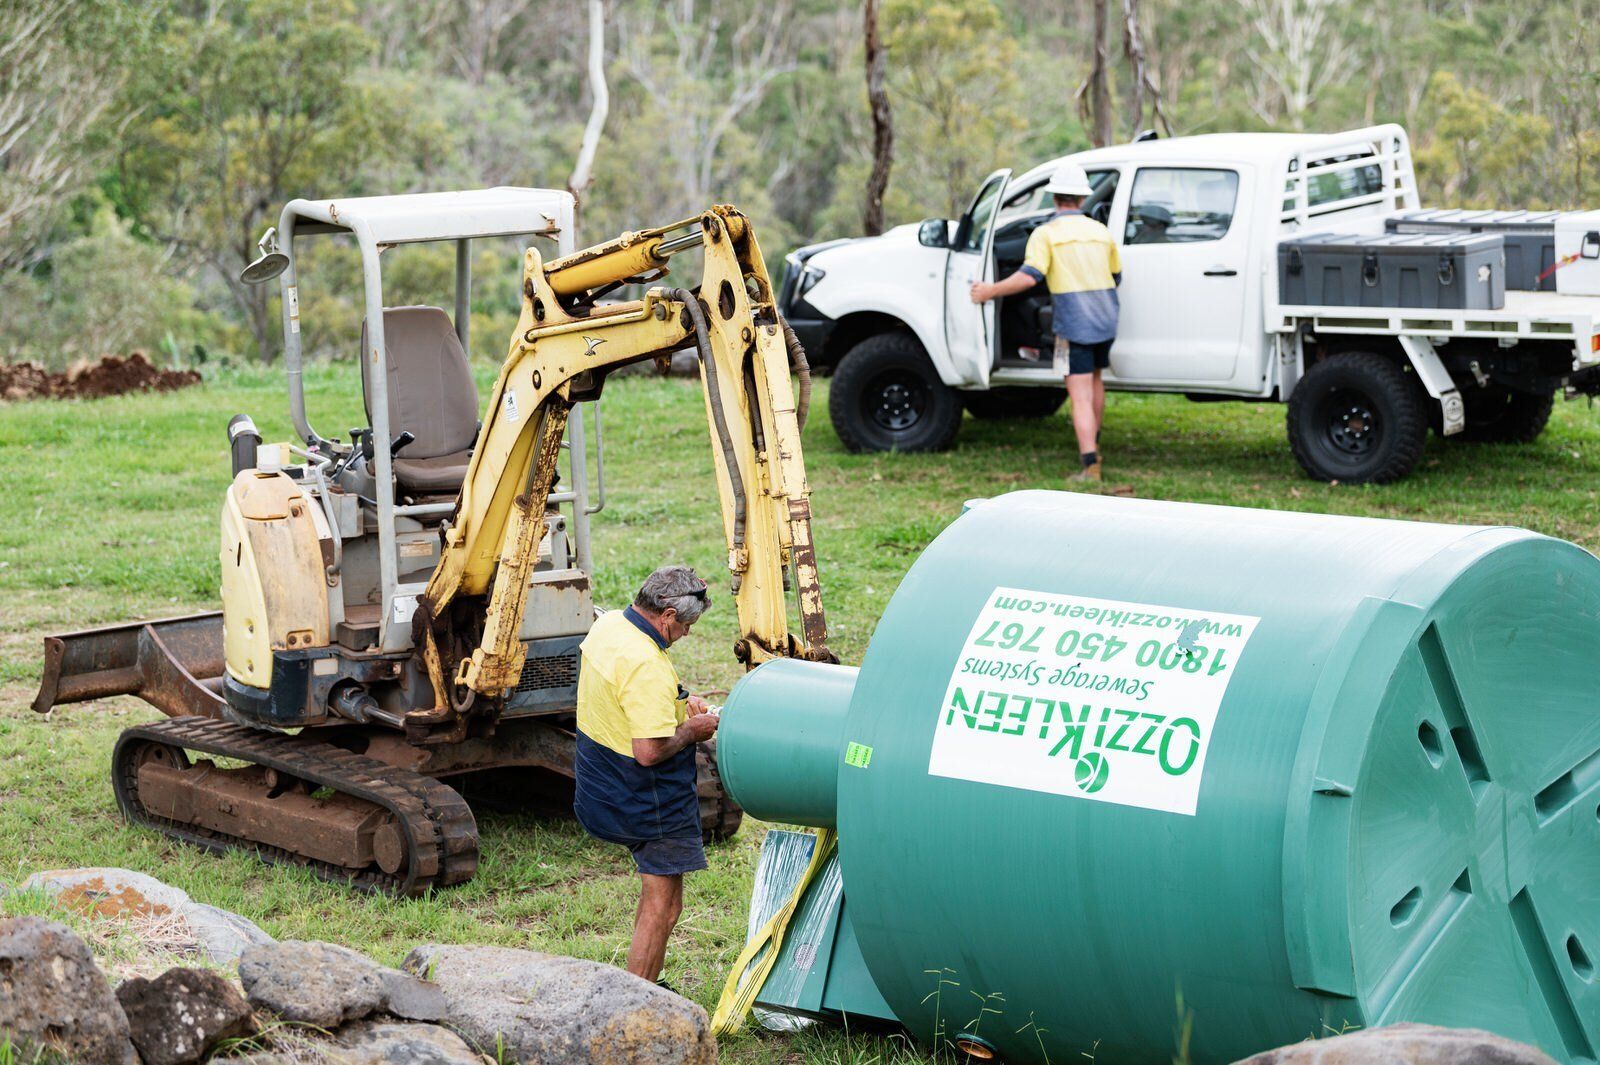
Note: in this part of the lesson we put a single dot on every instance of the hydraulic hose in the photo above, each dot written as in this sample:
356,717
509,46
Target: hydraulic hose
801,368
702,338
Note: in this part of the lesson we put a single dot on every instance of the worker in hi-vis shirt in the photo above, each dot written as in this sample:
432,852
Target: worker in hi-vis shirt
1077,259
635,763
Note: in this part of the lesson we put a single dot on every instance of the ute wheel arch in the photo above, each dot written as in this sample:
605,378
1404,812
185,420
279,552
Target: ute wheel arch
886,395
852,329
1357,417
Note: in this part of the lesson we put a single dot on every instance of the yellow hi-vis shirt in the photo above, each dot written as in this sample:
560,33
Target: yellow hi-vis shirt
1078,260
627,687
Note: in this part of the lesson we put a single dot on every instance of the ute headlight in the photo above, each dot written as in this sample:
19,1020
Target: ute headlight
809,276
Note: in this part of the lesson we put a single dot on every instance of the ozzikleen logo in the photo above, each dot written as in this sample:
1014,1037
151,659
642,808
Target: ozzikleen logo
1088,698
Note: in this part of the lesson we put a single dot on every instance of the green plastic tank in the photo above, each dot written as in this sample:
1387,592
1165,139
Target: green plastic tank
1120,777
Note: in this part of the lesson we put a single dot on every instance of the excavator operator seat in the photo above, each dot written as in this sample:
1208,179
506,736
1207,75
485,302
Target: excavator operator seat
431,395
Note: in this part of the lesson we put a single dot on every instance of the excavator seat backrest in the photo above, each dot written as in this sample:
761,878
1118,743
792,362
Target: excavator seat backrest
431,395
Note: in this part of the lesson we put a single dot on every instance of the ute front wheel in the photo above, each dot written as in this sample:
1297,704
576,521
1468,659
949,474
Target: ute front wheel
887,396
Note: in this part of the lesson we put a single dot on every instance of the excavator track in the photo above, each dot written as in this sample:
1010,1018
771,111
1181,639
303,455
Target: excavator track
407,832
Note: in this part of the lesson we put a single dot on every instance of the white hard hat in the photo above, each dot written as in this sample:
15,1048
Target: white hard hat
1069,180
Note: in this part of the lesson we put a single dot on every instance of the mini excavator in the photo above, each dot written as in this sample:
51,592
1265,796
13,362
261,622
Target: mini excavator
401,613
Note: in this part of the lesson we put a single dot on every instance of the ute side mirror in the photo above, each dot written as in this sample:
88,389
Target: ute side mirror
934,233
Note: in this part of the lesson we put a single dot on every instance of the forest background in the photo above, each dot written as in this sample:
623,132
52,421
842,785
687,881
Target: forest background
144,147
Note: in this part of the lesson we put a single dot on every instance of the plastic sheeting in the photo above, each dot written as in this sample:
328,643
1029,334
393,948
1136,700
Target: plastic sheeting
784,858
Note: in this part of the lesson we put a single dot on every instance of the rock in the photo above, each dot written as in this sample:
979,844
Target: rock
108,892
377,1043
554,1011
311,983
52,995
1406,1044
222,936
181,1015
406,996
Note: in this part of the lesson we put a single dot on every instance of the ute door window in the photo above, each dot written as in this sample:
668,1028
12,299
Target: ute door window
1185,264
1175,205
968,327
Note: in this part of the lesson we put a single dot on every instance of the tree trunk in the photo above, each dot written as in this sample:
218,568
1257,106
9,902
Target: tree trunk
1145,86
599,107
1094,95
882,123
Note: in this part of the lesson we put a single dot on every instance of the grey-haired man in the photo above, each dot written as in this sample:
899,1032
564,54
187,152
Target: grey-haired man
635,764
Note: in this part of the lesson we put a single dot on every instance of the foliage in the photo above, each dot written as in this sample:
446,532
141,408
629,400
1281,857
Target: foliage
954,68
196,121
265,105
62,63
104,293
1479,149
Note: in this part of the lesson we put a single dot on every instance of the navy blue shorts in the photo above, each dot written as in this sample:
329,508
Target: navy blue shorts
669,857
1072,357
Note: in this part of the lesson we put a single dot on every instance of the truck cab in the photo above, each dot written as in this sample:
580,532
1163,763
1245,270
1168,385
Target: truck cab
1199,221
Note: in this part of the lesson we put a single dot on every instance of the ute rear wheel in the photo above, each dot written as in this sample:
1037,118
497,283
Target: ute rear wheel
887,396
1357,417
1000,403
1498,415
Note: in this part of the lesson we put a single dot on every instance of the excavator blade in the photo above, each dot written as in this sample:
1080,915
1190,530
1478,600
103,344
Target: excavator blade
174,664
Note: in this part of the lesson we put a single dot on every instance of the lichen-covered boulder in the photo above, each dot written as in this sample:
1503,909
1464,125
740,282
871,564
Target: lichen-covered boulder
183,1014
53,996
108,892
551,1010
219,935
1405,1044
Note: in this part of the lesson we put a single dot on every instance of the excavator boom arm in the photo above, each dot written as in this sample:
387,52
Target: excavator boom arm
564,346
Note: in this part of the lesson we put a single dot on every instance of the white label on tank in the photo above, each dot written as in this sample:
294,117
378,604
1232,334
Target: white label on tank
1089,698
512,414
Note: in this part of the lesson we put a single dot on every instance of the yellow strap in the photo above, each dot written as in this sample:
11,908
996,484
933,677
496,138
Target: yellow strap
746,980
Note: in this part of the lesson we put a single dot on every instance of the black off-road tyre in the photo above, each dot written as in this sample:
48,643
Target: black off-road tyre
720,816
1357,418
999,403
886,396
1503,416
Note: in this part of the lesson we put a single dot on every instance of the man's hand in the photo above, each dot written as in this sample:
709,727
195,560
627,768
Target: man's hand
980,292
698,705
699,728
696,729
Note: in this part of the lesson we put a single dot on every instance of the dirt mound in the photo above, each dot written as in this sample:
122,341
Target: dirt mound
111,376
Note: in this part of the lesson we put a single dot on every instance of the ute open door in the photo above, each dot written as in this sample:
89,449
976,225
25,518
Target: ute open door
969,328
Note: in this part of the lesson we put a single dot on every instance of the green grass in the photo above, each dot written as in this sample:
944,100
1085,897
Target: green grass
110,513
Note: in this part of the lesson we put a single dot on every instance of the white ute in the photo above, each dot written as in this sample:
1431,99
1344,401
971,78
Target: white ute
1199,220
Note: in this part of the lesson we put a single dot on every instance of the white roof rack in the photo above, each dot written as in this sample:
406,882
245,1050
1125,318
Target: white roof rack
425,216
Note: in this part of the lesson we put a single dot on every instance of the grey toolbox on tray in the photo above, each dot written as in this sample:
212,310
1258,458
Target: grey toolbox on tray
1530,238
1446,271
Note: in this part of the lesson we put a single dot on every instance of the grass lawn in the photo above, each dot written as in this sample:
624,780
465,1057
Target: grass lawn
110,514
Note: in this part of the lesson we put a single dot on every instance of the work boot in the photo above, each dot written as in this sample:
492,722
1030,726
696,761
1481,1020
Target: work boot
1089,474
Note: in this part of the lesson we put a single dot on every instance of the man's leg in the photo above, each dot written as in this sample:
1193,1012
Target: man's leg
1085,412
1099,407
660,903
